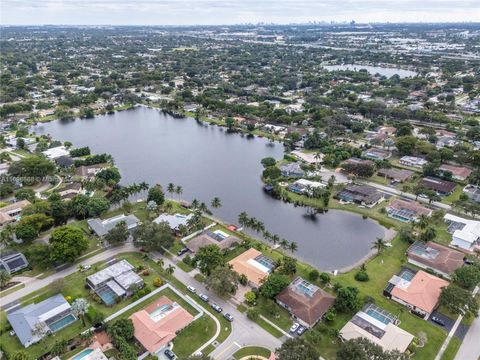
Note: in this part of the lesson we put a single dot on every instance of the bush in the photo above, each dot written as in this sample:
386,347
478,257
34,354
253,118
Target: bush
324,278
157,282
253,314
362,276
313,275
330,315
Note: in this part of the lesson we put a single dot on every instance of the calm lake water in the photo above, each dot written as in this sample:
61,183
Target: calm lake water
386,71
207,162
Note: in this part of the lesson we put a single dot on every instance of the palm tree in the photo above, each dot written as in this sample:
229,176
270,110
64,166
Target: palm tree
243,218
429,234
216,203
170,269
423,221
179,190
171,188
284,244
203,208
275,239
267,235
195,203
379,245
6,234
160,262
293,246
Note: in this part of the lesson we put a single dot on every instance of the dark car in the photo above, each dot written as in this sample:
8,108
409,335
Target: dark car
228,317
169,354
182,251
438,321
301,329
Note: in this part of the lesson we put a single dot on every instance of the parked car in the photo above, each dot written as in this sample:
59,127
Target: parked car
438,321
170,354
182,251
216,308
204,297
84,268
294,327
228,317
301,329
191,289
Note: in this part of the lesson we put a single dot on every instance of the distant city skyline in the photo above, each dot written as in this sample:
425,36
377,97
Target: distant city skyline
209,12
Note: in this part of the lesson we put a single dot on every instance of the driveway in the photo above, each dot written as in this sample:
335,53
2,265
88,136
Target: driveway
470,348
244,332
449,322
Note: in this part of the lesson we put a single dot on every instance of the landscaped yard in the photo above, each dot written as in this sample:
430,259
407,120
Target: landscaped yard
252,351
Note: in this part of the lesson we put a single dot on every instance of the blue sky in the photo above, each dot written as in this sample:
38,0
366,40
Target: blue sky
185,12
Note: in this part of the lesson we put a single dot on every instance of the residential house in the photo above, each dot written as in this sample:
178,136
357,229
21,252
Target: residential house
465,232
218,237
379,327
377,154
115,282
440,186
102,227
308,157
175,222
158,324
89,171
398,175
419,291
460,173
33,322
303,186
292,169
439,258
56,152
473,192
4,168
413,161
11,213
357,161
64,161
406,210
364,195
12,261
306,302
254,265
70,190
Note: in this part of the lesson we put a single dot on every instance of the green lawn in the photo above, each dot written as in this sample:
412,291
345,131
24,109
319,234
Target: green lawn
452,349
194,336
252,351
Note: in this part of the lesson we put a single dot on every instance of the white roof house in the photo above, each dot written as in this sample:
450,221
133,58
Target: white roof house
102,227
56,152
174,221
465,232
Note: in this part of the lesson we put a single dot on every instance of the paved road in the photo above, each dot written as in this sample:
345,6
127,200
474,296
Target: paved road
244,331
470,348
393,191
33,284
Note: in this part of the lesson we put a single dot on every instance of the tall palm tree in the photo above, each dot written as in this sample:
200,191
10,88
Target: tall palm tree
216,203
243,218
267,235
379,245
284,244
170,269
179,190
171,188
423,221
275,239
6,234
195,203
160,262
293,246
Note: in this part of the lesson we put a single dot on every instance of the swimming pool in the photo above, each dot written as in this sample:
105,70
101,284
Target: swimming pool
406,274
82,354
107,295
63,322
160,310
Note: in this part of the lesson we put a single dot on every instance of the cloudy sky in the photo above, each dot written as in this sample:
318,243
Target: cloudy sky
184,12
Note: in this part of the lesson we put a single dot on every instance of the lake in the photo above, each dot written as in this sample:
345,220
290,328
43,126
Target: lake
385,71
207,162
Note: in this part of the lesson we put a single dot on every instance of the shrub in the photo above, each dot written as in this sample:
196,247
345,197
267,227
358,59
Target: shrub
362,276
250,297
324,278
146,272
252,314
313,275
157,282
330,315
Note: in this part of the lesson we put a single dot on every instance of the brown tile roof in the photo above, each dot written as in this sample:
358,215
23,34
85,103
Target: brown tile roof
457,171
309,309
396,174
20,205
438,184
436,256
422,292
414,206
242,264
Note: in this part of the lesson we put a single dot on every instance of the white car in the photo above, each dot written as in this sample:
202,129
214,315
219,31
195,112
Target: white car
191,289
204,297
294,327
